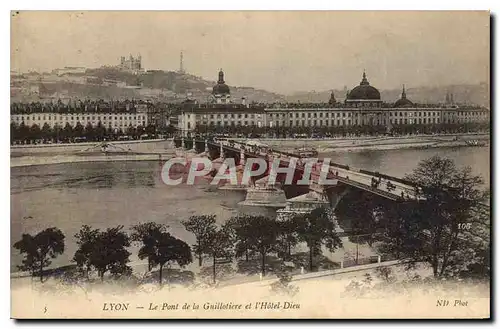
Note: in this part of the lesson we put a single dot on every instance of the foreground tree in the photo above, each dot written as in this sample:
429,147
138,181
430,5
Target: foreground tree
201,227
169,249
39,249
317,228
105,251
85,239
258,234
235,228
219,246
145,235
360,208
287,236
449,225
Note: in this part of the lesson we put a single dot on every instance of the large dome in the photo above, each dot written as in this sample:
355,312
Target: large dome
364,91
221,88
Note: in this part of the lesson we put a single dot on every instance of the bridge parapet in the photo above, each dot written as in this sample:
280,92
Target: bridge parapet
394,188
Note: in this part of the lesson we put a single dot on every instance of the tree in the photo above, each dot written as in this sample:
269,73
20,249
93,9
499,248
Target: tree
46,131
109,252
145,234
86,240
35,132
358,211
100,131
219,246
39,249
67,131
201,226
14,132
287,236
56,132
130,130
151,129
234,227
446,226
139,131
89,131
24,131
315,229
256,233
170,249
78,130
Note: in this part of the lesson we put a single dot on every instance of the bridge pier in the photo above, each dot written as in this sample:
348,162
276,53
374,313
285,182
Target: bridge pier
242,157
221,151
334,195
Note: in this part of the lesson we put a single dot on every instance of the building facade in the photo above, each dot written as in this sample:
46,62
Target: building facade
220,115
111,120
362,106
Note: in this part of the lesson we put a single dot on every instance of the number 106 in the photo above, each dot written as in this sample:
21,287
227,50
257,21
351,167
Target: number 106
462,226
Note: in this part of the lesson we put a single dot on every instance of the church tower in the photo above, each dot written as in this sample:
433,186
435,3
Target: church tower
332,99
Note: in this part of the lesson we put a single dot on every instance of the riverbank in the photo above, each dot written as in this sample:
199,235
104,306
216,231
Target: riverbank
349,144
40,160
161,149
134,146
44,154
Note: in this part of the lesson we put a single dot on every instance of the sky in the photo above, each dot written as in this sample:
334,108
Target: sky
281,52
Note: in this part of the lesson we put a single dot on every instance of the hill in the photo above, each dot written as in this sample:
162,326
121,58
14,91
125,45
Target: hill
169,86
177,85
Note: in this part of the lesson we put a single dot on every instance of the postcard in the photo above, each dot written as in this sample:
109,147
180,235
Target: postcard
250,165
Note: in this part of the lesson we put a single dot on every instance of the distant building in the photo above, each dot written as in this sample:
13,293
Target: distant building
220,92
181,65
119,118
131,64
70,70
362,106
220,111
108,120
193,115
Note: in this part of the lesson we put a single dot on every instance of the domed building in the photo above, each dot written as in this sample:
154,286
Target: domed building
363,95
403,101
221,91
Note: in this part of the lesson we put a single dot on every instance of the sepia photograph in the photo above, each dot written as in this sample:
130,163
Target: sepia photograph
250,164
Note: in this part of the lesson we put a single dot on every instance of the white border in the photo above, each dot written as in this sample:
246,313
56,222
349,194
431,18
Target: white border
191,5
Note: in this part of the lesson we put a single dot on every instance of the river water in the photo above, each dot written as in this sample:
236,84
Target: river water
106,194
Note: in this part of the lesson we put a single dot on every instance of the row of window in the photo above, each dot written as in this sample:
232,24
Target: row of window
227,116
343,122
44,117
392,114
94,124
228,123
